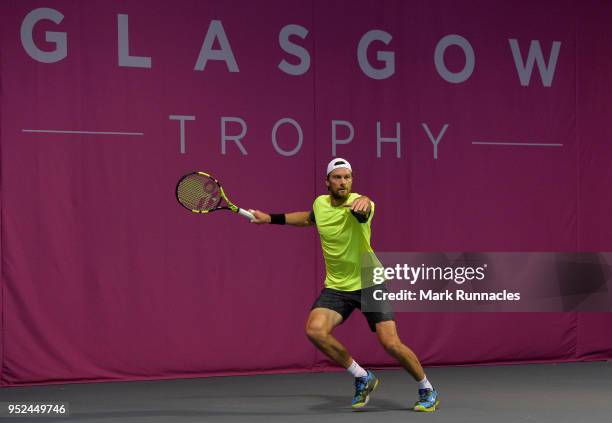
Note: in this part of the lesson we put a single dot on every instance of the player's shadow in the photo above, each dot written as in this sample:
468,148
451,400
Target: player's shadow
338,403
328,405
325,405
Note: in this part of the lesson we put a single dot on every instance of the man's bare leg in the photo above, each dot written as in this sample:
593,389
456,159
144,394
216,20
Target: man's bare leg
319,326
321,322
387,336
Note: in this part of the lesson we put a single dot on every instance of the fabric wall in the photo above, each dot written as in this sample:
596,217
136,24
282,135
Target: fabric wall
594,173
104,105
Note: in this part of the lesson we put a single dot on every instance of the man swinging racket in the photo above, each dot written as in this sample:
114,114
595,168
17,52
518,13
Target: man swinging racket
343,220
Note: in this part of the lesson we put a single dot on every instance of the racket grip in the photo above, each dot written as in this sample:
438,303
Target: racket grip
246,214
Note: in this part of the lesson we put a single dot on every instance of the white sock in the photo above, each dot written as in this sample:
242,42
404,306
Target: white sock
356,370
424,384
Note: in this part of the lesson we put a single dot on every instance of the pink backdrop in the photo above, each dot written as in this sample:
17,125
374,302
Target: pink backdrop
105,277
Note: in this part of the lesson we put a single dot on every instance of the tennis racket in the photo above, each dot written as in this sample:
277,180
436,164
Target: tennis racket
201,193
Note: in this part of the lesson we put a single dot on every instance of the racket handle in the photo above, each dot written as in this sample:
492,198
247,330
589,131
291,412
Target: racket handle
246,214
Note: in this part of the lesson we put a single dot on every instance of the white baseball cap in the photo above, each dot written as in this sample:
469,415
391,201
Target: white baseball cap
337,163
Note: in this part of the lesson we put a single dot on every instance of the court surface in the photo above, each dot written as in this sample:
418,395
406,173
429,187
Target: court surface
574,392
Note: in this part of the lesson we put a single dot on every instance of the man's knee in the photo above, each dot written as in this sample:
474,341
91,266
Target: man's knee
317,331
321,323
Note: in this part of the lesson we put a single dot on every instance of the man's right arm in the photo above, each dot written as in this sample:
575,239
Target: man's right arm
301,218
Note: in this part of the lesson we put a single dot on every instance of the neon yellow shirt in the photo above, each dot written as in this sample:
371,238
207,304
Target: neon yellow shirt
344,241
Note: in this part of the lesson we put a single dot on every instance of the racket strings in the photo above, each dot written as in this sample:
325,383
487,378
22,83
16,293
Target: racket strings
199,192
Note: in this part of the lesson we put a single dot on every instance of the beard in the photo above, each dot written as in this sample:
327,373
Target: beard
340,196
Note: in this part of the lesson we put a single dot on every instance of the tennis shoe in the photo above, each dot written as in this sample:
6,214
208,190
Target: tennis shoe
364,386
428,400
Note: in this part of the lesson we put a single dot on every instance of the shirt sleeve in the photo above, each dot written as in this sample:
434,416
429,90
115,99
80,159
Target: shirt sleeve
311,216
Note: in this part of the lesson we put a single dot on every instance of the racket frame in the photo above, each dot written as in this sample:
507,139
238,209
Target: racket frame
230,206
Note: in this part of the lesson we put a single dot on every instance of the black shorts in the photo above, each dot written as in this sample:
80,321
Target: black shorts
344,302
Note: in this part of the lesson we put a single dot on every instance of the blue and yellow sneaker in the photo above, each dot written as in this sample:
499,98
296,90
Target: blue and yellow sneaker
364,386
428,400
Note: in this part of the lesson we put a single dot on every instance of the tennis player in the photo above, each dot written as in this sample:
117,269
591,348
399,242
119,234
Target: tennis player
343,220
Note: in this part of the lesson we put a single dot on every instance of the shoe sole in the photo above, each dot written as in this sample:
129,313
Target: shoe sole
363,404
429,409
